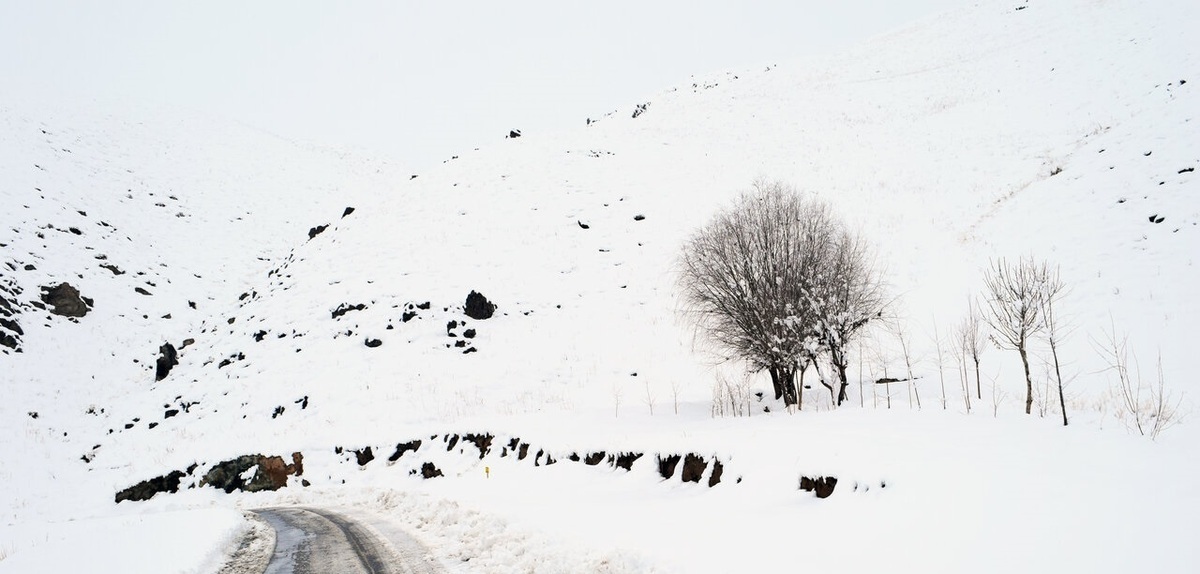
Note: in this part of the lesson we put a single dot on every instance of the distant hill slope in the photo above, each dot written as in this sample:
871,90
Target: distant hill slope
1062,129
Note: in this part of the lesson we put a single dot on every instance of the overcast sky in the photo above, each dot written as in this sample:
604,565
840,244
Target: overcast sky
413,81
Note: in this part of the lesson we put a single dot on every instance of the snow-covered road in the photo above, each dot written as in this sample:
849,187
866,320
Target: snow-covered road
312,541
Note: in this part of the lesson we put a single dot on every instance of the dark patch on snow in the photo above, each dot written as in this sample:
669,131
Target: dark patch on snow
478,307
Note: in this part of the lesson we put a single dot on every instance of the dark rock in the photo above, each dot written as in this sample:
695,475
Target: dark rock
317,230
364,456
403,448
30,267
346,308
66,300
583,225
167,358
146,489
424,306
271,473
523,451
407,316
822,485
303,402
141,291
594,458
278,411
666,466
170,413
625,460
639,217
693,468
715,478
470,350
483,442
347,211
469,333
187,342
258,336
460,343
372,343
514,133
450,327
451,440
478,307
430,471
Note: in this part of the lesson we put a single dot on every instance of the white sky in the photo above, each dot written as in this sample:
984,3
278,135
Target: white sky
412,81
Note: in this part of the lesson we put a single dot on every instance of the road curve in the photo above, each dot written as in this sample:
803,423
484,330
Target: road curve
317,541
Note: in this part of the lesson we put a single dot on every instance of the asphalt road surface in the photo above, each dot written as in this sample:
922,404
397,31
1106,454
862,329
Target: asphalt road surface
316,541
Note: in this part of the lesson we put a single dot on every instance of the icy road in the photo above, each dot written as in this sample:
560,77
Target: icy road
314,541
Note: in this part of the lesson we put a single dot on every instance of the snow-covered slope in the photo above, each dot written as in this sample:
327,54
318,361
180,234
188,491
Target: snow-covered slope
1065,130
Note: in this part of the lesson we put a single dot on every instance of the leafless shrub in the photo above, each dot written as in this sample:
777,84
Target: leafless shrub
1147,407
730,398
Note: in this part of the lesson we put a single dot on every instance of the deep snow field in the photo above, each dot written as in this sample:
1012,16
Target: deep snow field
1064,130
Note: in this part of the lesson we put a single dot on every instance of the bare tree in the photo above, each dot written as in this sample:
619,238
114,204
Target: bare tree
777,281
1015,295
973,340
1054,290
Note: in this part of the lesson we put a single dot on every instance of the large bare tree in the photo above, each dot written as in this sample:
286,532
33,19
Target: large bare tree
1015,297
773,280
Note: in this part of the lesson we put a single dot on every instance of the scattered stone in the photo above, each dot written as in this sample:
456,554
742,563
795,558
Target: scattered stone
372,343
141,291
429,471
514,134
639,217
66,300
346,308
315,231
469,333
258,336
348,211
167,358
364,456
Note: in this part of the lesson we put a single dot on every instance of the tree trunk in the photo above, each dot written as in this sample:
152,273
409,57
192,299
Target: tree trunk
1028,381
784,379
1062,402
800,387
978,391
841,369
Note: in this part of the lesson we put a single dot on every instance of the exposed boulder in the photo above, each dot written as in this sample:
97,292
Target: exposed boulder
364,456
167,358
348,211
822,485
478,307
315,231
403,448
693,468
666,465
65,300
430,471
146,489
271,473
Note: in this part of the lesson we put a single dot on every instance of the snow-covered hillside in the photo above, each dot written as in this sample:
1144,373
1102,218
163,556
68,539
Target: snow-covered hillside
1064,130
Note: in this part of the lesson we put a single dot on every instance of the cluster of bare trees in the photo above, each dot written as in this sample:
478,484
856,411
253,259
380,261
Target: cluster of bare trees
1020,301
780,283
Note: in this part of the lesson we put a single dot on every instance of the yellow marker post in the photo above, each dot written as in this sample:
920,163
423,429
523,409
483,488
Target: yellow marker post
487,471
